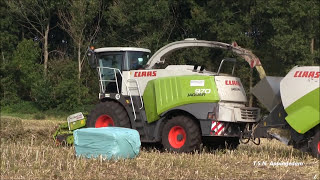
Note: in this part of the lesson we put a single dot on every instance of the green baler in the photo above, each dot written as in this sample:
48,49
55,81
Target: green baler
293,102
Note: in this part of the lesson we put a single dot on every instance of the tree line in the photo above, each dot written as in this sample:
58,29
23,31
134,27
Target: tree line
44,42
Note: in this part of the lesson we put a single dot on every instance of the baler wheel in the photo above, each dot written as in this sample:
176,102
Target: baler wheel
181,134
108,113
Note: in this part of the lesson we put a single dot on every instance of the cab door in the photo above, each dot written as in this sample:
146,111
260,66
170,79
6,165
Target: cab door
109,67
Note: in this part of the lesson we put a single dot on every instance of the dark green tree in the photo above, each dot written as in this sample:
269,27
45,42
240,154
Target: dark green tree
142,23
289,33
9,34
81,20
35,15
22,72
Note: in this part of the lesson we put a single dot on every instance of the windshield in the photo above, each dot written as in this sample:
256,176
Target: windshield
113,60
138,60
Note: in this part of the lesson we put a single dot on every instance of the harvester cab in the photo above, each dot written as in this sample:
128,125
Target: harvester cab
111,62
179,106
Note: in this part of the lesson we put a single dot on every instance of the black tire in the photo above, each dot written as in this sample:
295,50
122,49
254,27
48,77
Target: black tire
188,142
112,109
315,145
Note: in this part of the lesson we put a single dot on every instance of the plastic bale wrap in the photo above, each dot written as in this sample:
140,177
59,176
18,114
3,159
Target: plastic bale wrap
109,142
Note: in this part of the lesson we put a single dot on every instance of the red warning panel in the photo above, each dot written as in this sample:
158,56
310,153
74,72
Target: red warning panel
217,128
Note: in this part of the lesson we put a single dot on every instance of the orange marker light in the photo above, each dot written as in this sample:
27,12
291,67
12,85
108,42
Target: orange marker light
92,48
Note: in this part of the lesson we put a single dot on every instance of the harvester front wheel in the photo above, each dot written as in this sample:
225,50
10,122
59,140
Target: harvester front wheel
315,145
181,134
108,113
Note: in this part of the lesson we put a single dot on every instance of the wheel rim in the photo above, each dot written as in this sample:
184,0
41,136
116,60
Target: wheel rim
104,121
318,147
177,137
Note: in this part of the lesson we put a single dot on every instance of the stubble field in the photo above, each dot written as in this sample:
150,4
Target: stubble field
29,152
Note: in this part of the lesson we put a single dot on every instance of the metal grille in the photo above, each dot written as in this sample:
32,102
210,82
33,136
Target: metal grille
251,114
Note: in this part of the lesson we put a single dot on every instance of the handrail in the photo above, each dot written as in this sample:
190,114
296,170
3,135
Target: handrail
227,59
114,70
101,84
138,87
115,76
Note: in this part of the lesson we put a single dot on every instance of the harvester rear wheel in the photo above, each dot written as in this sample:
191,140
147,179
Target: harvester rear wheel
181,134
108,113
315,145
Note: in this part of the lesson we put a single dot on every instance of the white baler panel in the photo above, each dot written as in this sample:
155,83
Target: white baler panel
230,89
299,82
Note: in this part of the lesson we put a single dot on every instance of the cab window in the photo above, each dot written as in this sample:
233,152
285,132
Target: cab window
138,60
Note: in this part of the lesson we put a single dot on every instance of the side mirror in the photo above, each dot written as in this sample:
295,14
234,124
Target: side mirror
91,58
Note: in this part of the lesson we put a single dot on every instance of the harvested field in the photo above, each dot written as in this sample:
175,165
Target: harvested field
28,152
